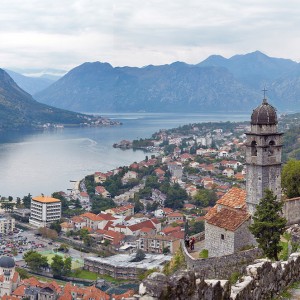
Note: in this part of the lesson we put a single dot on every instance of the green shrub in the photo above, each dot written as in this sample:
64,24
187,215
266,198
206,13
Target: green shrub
203,253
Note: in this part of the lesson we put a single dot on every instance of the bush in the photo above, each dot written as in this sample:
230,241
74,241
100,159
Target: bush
203,253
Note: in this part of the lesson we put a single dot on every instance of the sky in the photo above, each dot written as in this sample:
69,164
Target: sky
62,34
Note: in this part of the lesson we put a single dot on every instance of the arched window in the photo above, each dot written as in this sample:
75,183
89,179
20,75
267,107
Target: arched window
271,148
253,148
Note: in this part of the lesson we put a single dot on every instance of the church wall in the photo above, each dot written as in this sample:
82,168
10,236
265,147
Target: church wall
243,237
214,243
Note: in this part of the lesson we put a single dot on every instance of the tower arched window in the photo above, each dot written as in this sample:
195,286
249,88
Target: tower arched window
253,148
271,148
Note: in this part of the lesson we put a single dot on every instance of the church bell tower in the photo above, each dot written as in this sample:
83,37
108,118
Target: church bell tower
263,155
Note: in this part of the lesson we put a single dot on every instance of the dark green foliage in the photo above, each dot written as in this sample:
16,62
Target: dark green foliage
175,196
268,225
139,256
196,227
291,178
100,204
61,267
35,260
27,201
63,200
205,198
56,226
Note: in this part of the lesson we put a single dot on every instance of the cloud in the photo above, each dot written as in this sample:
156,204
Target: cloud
64,34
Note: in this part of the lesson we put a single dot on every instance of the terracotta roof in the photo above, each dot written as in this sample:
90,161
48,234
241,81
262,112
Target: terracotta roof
32,281
234,198
45,199
177,235
175,214
91,216
15,277
211,212
77,219
107,217
19,291
167,230
6,297
141,225
229,219
126,295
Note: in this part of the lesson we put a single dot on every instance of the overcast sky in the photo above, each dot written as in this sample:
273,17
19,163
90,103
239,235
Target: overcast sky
63,34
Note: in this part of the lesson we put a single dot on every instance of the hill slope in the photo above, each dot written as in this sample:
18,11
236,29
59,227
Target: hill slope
19,110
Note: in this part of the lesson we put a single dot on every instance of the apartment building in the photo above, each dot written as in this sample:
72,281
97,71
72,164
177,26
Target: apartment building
44,211
7,224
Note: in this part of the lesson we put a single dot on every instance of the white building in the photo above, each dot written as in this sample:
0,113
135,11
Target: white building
7,224
44,210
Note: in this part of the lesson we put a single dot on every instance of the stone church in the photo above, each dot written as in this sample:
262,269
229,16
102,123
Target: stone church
226,224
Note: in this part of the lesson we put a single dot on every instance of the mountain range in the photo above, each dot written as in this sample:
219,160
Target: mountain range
216,84
18,110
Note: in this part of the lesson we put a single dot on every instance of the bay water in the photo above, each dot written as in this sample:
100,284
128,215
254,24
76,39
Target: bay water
47,161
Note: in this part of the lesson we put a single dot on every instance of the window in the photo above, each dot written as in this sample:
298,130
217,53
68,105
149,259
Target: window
253,148
222,237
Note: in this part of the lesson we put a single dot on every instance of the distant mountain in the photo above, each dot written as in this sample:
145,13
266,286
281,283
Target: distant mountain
216,84
18,110
31,85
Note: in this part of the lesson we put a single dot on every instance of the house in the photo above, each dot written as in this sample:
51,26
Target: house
115,238
101,190
92,220
189,206
100,177
223,153
84,197
129,176
175,217
162,212
78,222
125,210
226,224
66,226
191,190
228,172
159,172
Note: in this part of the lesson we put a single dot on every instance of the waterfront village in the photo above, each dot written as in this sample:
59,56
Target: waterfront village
121,225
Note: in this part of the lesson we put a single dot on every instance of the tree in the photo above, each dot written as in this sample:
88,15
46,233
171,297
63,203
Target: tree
268,225
67,266
56,226
290,179
48,233
35,260
27,201
139,256
57,266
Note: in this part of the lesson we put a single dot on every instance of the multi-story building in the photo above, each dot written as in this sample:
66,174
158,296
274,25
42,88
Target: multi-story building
157,243
44,211
7,224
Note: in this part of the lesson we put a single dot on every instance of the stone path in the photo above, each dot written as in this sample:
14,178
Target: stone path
198,247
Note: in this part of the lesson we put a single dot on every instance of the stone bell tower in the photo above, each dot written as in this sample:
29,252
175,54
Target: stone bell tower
263,155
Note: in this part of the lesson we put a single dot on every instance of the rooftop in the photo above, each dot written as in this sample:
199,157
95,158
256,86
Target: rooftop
228,219
45,199
234,198
124,260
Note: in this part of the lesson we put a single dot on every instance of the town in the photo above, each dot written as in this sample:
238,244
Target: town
119,226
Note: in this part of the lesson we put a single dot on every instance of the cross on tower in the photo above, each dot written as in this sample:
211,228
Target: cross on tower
264,90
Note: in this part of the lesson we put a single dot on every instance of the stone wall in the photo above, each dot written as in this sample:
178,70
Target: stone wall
221,267
291,210
263,280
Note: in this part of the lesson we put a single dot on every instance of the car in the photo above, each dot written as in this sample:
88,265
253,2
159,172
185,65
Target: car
50,243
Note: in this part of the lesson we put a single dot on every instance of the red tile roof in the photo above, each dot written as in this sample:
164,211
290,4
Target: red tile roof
229,219
234,198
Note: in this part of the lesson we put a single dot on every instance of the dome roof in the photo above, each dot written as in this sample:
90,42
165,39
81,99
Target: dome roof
265,114
7,262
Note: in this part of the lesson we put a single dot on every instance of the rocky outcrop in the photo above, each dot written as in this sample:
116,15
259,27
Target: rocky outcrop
262,280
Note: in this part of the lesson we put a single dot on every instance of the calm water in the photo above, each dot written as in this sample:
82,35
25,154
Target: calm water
45,162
